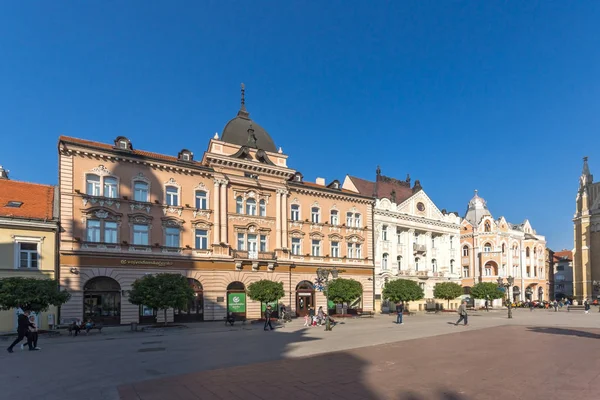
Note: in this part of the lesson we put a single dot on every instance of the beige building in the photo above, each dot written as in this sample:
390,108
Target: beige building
28,232
492,248
233,216
586,252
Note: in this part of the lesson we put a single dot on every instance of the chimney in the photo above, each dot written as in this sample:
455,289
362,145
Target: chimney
3,173
320,181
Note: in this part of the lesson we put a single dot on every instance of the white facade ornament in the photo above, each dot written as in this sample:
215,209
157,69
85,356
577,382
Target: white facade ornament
216,136
100,170
101,214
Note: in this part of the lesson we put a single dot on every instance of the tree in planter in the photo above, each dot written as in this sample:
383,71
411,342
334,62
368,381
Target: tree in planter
31,294
161,292
342,291
447,291
266,291
402,290
486,291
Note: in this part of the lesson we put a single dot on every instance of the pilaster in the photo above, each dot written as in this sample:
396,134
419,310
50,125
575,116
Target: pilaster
216,213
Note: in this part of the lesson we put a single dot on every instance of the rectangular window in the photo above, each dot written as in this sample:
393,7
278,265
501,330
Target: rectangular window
560,268
251,207
28,255
241,241
172,196
140,191
451,242
93,231
349,219
262,208
296,246
358,250
295,212
315,215
335,220
358,220
384,233
110,187
252,246
335,249
140,234
110,232
172,237
465,272
93,185
316,248
263,243
201,200
201,239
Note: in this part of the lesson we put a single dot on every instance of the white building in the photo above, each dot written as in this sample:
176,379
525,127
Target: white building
413,238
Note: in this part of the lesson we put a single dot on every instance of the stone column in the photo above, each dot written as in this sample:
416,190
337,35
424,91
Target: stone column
410,253
284,220
223,210
278,219
216,203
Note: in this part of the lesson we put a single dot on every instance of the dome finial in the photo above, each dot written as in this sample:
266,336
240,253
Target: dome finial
243,112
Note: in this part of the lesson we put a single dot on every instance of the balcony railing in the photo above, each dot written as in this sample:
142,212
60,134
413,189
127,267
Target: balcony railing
254,255
419,248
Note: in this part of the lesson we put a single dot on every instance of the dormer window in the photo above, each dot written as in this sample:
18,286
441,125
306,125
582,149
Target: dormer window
122,143
14,204
185,155
298,177
334,185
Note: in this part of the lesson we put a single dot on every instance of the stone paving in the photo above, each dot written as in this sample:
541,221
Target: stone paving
93,367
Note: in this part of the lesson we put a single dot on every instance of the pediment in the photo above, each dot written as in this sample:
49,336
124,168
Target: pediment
420,205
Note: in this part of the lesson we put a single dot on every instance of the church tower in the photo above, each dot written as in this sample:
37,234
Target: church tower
586,251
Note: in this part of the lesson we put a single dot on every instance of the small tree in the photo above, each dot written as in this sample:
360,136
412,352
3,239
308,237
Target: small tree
161,291
487,291
266,291
402,290
447,291
342,290
31,294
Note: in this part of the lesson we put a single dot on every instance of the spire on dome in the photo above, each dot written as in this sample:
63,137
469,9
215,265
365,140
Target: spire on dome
243,112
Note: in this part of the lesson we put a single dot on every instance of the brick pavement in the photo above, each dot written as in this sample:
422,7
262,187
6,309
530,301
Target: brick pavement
508,362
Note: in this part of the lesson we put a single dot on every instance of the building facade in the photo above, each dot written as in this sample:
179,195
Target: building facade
28,239
492,248
563,274
586,251
236,215
413,239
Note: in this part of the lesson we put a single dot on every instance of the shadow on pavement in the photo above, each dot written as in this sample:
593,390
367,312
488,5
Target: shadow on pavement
441,395
566,332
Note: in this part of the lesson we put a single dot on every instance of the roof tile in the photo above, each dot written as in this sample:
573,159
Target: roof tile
37,200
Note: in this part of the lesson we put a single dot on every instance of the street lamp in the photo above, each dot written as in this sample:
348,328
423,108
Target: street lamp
322,284
509,282
597,287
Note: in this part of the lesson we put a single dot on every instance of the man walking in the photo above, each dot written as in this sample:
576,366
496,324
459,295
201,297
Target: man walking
268,313
555,305
23,325
586,306
399,311
487,305
462,311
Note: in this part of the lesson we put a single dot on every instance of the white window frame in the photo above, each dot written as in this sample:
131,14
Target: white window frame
116,230
295,212
241,241
251,206
199,238
451,266
335,249
102,230
465,271
296,246
169,232
135,191
434,265
334,217
384,261
357,220
239,205
97,229
487,248
133,232
417,259
384,233
263,243
349,219
17,240
172,199
201,199
111,188
262,208
96,186
252,245
465,251
315,247
315,215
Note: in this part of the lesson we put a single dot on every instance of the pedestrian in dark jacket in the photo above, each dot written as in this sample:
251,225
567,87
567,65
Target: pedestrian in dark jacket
462,311
586,306
399,311
23,325
268,313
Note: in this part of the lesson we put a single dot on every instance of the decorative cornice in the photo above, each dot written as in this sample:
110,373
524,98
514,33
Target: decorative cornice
419,220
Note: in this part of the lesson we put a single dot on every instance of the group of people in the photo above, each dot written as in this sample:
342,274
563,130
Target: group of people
318,319
26,329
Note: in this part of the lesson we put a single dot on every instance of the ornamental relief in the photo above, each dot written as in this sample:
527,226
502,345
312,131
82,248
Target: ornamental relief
140,177
139,219
252,194
355,239
316,227
100,170
140,207
296,224
335,229
251,229
252,219
172,182
172,222
335,237
316,235
295,201
202,213
172,210
296,234
100,201
201,225
101,214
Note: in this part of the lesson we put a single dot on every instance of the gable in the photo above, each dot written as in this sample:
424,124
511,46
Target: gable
419,204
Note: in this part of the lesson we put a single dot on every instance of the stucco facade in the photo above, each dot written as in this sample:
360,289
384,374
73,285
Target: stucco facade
492,248
586,229
237,215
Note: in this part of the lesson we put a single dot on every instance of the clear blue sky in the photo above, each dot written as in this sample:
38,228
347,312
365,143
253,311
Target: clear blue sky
497,96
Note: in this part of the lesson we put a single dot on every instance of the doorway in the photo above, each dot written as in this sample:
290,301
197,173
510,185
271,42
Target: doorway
195,308
236,299
305,298
102,301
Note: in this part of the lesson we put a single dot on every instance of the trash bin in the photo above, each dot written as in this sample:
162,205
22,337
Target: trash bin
134,326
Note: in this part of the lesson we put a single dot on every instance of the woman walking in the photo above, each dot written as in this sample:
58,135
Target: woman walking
33,334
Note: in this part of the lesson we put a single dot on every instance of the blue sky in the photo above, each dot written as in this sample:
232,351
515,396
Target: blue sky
496,96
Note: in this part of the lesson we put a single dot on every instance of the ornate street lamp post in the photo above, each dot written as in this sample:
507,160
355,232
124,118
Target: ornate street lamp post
322,284
509,283
597,288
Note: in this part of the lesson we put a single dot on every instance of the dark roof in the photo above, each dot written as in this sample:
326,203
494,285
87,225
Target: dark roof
32,200
386,187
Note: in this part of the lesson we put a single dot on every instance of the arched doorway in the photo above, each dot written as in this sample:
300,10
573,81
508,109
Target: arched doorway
236,299
195,308
305,298
491,269
516,293
102,300
540,294
529,294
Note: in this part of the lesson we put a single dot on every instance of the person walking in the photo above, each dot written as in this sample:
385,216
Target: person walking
399,312
487,305
531,305
268,312
462,311
33,332
555,306
311,314
23,325
586,306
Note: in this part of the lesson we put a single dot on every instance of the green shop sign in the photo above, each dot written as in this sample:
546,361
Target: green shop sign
236,302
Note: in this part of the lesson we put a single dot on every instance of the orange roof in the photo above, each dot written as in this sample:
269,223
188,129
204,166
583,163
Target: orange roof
37,200
564,253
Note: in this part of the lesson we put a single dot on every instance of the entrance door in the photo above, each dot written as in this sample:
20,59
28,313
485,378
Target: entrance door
195,308
236,299
102,301
305,298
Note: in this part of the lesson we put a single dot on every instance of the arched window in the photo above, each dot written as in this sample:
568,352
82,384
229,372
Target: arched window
140,191
315,215
239,205
503,248
527,252
515,250
465,251
172,195
92,183
111,187
487,226
251,207
451,266
384,262
295,212
417,264
399,259
201,200
262,208
487,248
384,232
434,265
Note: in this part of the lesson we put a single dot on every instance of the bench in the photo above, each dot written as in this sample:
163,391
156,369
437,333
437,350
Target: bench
73,328
231,320
365,314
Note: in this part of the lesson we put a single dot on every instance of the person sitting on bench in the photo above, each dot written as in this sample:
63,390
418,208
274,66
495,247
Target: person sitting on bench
230,319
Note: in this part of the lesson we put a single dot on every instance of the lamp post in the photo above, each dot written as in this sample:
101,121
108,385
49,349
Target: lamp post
322,284
597,288
509,282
